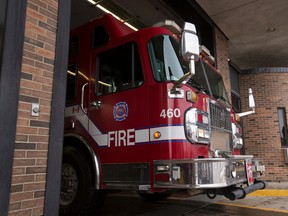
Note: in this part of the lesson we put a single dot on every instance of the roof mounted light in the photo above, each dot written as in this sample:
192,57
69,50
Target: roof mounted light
170,25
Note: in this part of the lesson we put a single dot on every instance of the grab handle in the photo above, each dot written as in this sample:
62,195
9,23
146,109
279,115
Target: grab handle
82,97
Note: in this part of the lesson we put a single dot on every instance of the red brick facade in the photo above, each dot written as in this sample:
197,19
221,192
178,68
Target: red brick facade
261,130
32,135
222,59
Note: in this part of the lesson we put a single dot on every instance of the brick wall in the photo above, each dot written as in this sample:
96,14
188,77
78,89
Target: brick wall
30,157
222,60
261,130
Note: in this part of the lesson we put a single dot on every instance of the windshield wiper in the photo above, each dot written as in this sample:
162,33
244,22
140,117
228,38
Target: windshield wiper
198,86
170,73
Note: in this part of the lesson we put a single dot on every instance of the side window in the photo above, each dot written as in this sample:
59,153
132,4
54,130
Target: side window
235,87
71,83
283,126
118,69
236,102
100,36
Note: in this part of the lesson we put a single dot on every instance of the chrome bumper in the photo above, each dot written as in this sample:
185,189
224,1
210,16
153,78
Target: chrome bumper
207,173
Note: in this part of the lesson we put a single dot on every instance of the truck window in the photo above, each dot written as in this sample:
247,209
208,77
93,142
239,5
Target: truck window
100,36
164,58
118,69
283,126
71,83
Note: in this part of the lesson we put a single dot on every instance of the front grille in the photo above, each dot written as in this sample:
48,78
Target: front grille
221,128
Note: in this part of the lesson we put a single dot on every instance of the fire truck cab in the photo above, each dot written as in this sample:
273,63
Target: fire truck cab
143,116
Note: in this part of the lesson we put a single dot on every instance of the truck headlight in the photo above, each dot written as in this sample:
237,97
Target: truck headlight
197,128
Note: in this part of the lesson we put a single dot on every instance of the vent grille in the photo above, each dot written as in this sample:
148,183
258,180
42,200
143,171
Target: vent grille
221,128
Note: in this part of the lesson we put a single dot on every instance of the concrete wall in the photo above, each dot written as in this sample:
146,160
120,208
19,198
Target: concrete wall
261,130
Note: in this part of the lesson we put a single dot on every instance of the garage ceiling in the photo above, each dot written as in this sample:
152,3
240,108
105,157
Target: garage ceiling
257,30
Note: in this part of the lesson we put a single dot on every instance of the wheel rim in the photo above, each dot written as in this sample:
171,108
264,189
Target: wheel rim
69,184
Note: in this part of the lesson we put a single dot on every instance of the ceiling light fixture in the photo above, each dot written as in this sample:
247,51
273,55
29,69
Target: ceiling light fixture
92,2
271,29
131,26
108,11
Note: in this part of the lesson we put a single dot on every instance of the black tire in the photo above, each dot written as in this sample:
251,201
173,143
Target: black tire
77,196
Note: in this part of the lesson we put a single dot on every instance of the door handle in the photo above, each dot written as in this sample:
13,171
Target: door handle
96,104
82,97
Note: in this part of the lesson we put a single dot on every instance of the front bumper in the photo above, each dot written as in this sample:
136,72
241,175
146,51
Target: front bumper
207,173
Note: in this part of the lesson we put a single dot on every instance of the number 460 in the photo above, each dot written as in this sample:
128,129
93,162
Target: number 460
170,113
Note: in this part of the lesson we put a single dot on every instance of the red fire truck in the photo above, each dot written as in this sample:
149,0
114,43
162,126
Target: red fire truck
143,116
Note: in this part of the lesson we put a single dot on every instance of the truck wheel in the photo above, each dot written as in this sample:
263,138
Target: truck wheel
77,193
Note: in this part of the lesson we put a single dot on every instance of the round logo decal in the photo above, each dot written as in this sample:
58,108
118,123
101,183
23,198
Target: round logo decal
120,111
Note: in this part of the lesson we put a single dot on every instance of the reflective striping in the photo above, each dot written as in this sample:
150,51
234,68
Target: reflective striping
172,133
268,192
101,140
73,111
168,133
83,120
76,111
141,136
93,130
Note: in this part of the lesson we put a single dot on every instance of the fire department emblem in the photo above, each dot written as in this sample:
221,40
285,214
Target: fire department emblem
120,111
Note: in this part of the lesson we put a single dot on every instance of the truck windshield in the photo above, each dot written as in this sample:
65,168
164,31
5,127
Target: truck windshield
214,78
167,66
163,52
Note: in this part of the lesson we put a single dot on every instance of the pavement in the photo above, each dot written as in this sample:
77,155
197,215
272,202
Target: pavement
276,185
274,198
271,201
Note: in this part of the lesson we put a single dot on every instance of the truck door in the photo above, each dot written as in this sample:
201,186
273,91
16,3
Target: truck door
118,109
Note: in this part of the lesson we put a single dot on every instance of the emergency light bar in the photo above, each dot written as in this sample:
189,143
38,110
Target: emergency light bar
170,25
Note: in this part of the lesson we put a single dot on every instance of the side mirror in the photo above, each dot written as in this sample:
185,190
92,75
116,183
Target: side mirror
189,45
251,99
251,105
